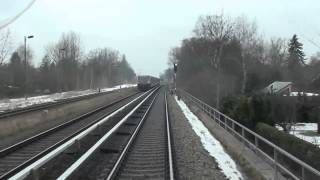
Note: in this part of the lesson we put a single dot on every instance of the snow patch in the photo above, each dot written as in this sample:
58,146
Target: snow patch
212,145
118,87
10,104
303,93
299,128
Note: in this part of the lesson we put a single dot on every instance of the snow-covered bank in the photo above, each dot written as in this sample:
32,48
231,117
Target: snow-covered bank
212,145
301,130
10,104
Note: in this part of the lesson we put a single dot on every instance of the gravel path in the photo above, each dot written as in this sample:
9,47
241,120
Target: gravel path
192,160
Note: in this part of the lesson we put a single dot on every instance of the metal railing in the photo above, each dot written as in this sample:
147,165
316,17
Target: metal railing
281,160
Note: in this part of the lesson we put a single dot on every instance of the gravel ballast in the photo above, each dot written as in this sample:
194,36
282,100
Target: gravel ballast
192,160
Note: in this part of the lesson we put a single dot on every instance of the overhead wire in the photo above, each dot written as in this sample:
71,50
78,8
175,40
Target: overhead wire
8,21
311,41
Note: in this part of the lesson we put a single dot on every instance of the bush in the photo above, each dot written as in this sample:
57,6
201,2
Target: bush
248,110
305,151
238,109
260,110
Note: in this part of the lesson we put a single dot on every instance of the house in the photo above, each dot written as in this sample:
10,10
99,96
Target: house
279,88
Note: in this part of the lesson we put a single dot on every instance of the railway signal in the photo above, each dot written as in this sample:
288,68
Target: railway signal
175,67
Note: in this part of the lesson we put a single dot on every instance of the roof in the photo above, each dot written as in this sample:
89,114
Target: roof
277,86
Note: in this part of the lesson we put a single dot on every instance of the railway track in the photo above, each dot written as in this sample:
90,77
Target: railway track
138,149
41,106
19,155
149,155
54,161
131,142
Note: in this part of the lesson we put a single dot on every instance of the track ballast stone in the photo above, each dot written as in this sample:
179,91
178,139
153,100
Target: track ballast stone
192,160
147,156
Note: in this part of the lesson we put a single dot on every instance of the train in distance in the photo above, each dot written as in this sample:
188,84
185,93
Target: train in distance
146,82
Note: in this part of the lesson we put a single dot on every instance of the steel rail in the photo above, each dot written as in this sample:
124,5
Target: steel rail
87,154
57,151
53,129
50,131
115,168
170,157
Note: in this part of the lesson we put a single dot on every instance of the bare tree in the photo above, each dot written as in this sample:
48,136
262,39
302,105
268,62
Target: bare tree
219,29
246,33
173,53
107,67
277,52
71,43
69,47
5,45
53,53
67,54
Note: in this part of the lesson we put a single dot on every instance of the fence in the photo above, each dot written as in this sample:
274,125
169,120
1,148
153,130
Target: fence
282,161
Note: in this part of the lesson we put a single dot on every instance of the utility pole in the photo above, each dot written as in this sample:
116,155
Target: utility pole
58,74
91,77
25,65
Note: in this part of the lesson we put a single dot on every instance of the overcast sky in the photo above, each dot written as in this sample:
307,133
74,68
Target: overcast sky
145,30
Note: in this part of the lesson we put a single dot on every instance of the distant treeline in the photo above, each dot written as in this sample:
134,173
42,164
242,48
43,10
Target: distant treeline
64,67
227,63
227,56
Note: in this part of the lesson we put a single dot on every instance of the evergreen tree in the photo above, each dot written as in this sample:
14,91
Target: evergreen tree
296,60
47,75
125,70
296,54
17,71
45,65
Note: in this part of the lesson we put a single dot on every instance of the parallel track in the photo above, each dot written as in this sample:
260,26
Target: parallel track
58,158
41,106
16,157
139,148
132,142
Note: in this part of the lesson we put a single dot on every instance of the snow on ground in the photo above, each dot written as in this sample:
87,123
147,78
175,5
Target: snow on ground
303,93
10,104
118,87
212,145
299,130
